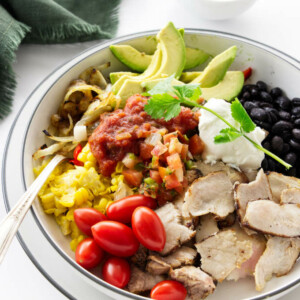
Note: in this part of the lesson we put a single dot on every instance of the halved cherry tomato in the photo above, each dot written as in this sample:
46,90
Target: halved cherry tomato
145,151
116,271
247,73
115,238
196,145
88,254
75,161
155,176
168,290
148,228
122,210
133,177
85,218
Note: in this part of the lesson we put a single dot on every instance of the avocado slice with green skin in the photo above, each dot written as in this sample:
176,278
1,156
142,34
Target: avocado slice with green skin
115,76
216,69
227,89
129,56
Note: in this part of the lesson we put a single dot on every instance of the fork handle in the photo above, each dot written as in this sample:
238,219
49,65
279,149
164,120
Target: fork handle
14,218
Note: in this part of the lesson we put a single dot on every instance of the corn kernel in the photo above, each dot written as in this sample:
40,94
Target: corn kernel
88,164
81,196
82,157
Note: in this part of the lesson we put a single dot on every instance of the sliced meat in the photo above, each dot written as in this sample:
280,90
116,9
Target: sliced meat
209,194
278,259
140,257
291,195
273,218
207,227
233,174
142,281
198,284
279,182
258,246
176,233
162,265
255,190
222,253
226,222
192,175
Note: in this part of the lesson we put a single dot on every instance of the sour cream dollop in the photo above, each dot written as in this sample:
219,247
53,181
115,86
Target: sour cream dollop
240,153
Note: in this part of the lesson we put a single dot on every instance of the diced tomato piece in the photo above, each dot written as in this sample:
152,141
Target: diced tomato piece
164,196
159,149
155,176
155,162
196,145
184,151
162,172
175,146
145,151
133,177
163,158
172,182
167,137
174,161
247,73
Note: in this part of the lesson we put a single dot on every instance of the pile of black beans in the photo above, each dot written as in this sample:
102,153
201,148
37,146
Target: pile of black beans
280,116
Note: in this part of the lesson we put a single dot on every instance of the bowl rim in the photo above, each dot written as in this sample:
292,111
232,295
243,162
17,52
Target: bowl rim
98,47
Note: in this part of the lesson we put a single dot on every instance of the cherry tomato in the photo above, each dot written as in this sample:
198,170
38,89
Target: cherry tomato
148,228
122,209
116,271
85,218
88,254
115,238
168,290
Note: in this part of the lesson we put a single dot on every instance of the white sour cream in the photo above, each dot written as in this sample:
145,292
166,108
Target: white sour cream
239,153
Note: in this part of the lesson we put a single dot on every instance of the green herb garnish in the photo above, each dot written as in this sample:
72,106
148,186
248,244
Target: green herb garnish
165,101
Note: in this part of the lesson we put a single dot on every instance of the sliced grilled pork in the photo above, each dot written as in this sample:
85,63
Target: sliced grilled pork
192,175
279,182
222,253
291,195
198,284
176,233
273,218
140,257
278,259
233,174
255,190
142,281
207,226
162,265
209,194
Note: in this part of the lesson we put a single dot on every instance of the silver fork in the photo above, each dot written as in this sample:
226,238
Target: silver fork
14,218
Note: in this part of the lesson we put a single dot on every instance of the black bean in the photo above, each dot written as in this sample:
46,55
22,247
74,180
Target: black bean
265,104
281,126
293,118
284,115
286,135
264,96
284,102
297,122
286,148
292,172
264,164
271,164
249,105
296,111
246,96
277,143
258,114
294,144
247,87
296,101
267,145
275,92
291,158
296,133
261,85
254,92
264,125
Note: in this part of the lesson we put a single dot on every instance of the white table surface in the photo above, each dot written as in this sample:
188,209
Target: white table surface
275,23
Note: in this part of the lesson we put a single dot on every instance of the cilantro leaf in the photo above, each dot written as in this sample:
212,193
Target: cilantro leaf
191,91
162,106
240,115
163,86
226,135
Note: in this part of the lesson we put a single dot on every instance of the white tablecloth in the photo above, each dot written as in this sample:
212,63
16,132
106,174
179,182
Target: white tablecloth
275,23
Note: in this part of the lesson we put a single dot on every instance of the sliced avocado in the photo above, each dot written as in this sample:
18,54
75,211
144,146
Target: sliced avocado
129,56
150,84
187,77
195,57
216,69
226,89
115,76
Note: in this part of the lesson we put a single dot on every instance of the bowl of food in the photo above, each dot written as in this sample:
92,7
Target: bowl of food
182,167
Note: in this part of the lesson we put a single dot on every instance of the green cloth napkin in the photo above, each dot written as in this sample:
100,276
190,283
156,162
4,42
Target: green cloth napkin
48,21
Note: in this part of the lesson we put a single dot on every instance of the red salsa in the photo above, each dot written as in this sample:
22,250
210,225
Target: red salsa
123,130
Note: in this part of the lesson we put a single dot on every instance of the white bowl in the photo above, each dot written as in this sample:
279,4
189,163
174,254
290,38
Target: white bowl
269,65
220,9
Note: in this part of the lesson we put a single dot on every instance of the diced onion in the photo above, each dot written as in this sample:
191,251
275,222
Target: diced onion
159,149
80,133
153,139
179,174
123,191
